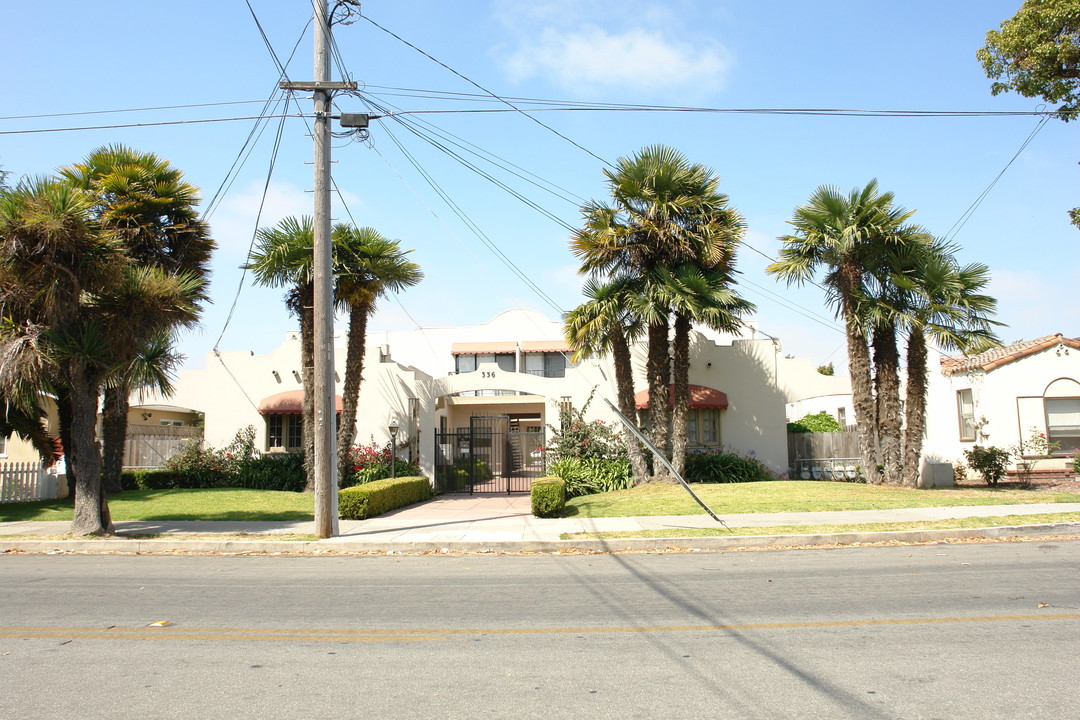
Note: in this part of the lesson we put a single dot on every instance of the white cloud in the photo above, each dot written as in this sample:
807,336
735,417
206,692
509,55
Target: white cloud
595,46
233,223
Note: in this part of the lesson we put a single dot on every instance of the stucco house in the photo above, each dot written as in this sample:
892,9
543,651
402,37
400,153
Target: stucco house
506,379
1003,397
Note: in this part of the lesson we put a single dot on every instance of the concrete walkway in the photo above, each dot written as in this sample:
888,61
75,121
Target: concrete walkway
504,523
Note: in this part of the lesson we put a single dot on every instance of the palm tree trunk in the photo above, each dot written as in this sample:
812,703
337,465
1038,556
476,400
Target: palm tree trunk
63,412
624,383
113,436
354,372
658,370
862,392
681,390
887,384
306,312
91,516
915,410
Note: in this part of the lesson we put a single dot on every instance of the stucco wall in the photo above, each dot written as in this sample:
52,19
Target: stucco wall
999,397
419,364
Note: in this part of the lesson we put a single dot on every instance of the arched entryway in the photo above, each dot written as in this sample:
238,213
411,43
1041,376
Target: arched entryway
490,443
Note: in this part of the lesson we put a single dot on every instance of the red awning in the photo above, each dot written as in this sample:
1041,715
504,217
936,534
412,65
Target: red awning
290,402
700,397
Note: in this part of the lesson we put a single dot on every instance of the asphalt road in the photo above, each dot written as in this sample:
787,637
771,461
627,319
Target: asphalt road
945,631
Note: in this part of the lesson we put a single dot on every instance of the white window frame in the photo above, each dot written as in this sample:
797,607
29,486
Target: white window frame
965,420
1070,431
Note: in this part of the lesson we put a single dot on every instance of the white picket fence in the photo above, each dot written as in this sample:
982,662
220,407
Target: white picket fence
22,481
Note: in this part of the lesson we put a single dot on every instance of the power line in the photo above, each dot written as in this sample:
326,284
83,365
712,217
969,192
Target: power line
255,233
962,220
480,87
131,110
148,124
745,111
473,227
490,157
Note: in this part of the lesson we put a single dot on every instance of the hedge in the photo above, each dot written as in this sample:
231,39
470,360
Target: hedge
374,498
548,497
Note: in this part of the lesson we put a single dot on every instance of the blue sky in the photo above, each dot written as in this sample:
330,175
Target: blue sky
68,57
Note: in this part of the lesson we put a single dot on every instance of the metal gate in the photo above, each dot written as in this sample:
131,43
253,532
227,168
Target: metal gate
492,455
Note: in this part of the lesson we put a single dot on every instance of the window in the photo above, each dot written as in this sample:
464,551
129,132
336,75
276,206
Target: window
469,362
284,431
703,426
274,437
841,416
296,431
965,409
465,363
1063,424
172,423
710,426
3,446
548,364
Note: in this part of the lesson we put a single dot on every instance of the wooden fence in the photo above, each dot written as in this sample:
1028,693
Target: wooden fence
24,481
824,456
149,446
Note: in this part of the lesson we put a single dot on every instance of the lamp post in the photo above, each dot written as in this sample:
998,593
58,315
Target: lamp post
393,451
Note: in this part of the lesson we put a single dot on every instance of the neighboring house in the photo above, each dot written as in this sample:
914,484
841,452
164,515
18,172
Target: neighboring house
23,476
1005,395
810,392
507,377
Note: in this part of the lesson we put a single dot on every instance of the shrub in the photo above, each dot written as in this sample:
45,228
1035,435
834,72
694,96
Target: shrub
195,467
725,467
588,476
822,422
548,497
579,438
372,462
959,472
1076,462
272,472
991,462
151,480
374,498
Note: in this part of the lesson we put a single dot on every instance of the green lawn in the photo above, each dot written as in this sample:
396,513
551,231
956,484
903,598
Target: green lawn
951,524
724,499
792,496
215,504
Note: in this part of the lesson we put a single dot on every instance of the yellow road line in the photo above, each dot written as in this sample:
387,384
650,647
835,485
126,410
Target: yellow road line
173,632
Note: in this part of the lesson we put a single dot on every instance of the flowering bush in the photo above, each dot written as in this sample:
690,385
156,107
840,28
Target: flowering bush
991,462
1037,444
372,462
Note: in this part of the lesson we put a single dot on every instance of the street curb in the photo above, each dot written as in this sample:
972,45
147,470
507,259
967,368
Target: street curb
339,546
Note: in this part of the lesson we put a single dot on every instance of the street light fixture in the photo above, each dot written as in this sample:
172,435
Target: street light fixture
393,451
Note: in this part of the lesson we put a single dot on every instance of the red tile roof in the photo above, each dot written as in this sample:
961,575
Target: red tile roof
996,357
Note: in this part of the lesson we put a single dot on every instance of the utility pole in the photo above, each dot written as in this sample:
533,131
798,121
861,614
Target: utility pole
325,430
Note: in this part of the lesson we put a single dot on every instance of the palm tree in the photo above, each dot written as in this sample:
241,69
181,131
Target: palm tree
367,266
607,323
705,297
666,212
69,300
849,235
143,202
55,265
282,257
948,305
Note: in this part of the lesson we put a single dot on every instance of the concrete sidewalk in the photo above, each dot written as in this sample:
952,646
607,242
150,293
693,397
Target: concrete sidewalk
504,523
